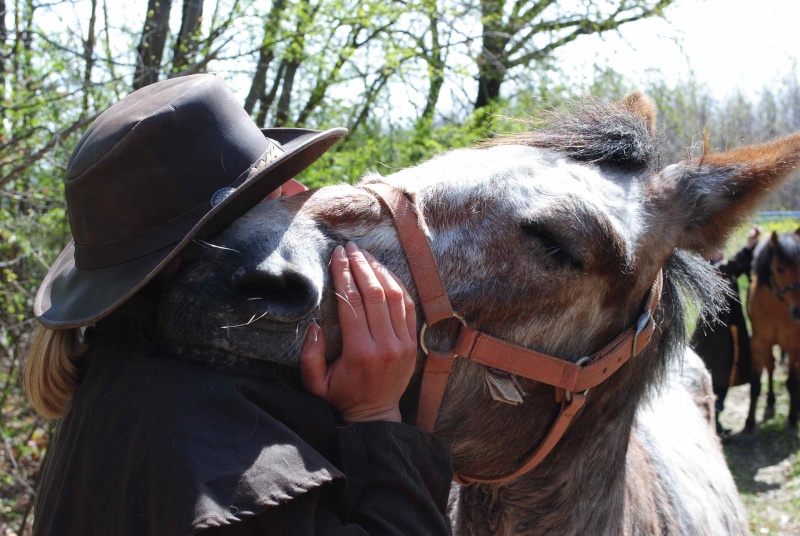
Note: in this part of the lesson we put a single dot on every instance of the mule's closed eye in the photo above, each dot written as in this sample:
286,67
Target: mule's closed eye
552,246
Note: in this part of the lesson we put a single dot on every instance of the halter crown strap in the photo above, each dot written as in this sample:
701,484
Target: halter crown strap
482,348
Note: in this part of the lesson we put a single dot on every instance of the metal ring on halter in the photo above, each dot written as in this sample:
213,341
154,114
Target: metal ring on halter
424,330
580,362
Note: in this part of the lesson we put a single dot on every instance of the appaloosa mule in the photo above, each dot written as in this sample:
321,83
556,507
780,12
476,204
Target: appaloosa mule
551,241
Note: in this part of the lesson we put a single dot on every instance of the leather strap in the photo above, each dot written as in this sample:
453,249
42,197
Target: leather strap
496,353
566,377
557,429
409,226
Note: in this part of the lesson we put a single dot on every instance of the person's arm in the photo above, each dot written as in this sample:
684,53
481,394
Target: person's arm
741,262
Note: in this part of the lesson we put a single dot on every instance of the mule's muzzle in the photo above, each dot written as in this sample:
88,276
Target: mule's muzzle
282,293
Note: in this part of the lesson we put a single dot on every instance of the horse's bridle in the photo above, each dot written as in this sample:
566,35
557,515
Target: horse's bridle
571,381
778,292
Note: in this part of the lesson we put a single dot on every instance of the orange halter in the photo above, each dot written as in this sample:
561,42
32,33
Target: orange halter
571,380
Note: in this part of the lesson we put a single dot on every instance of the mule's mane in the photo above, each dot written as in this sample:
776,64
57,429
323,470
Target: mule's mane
619,134
689,280
788,250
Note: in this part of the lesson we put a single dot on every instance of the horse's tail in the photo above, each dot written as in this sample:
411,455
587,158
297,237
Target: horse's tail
50,375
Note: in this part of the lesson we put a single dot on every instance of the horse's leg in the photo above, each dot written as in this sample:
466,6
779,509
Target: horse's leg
769,411
793,386
760,352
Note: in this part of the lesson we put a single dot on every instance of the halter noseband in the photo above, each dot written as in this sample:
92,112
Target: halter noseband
570,380
778,292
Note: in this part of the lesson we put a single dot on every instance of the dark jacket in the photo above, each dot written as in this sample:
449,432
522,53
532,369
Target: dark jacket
724,345
152,445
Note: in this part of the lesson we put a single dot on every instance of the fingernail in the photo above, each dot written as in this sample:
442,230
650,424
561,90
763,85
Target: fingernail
351,247
339,252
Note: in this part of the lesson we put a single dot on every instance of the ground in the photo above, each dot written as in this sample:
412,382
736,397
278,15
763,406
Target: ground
766,466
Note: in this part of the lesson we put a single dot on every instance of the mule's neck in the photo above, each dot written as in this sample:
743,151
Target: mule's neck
586,485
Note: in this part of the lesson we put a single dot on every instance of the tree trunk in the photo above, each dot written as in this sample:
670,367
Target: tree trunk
436,65
282,113
266,100
88,58
151,46
491,69
265,56
185,49
3,54
107,52
370,96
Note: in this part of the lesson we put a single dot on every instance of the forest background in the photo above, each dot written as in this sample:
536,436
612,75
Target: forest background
408,78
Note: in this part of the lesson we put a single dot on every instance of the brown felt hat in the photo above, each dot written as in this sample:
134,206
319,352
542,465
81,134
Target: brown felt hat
169,163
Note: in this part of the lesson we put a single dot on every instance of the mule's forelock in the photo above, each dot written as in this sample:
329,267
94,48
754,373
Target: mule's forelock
622,134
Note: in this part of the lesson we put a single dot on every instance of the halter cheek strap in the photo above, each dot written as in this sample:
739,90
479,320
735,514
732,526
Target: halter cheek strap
570,380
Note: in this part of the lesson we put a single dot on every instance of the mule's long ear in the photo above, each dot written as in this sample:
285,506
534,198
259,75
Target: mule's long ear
709,196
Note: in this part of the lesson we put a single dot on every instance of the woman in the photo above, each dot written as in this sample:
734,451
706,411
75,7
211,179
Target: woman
152,444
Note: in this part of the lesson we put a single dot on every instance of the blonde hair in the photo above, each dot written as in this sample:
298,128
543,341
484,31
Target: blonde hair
50,376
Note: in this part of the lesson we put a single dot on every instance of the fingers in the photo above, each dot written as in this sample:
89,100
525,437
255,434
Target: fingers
313,368
352,316
292,187
401,306
379,350
372,298
373,295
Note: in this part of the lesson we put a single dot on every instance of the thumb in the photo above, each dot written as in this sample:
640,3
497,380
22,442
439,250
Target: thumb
313,368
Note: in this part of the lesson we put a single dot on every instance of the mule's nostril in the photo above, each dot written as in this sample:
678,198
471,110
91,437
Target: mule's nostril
258,282
794,311
283,292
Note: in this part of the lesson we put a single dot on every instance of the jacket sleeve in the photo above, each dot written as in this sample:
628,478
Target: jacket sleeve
398,482
398,478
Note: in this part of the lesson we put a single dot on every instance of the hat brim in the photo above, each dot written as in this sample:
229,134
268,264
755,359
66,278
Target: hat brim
70,298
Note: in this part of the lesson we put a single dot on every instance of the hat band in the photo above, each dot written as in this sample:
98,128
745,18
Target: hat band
128,248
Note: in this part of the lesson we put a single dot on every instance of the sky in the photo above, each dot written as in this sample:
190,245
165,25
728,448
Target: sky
728,44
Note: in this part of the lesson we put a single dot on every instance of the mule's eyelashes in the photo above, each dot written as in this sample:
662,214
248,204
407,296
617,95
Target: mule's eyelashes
552,245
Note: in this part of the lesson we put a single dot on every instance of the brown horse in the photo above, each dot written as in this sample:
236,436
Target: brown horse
774,309
549,241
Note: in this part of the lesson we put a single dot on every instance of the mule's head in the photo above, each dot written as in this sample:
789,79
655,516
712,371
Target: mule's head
549,240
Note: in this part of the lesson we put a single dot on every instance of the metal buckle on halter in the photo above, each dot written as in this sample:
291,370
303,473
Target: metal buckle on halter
424,329
580,362
640,325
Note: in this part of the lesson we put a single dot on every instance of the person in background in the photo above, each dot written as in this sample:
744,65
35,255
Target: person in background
724,345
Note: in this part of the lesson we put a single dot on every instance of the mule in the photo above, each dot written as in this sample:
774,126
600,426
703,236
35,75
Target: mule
550,240
774,310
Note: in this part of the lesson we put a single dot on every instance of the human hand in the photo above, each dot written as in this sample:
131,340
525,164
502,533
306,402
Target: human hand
379,343
288,188
752,236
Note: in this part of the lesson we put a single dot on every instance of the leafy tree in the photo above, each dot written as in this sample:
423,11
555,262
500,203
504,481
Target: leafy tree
520,33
